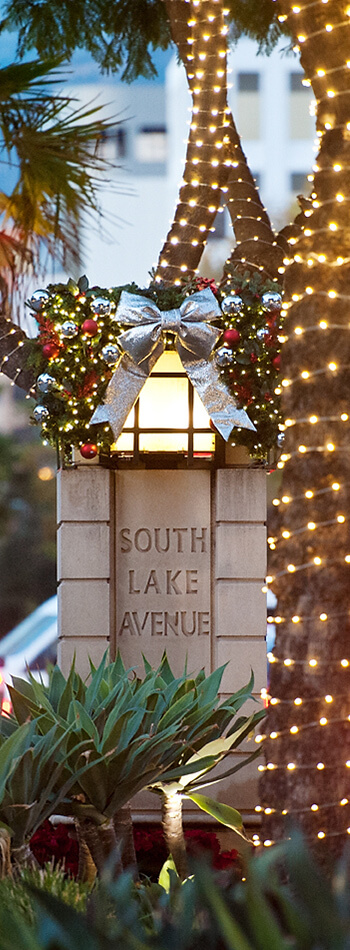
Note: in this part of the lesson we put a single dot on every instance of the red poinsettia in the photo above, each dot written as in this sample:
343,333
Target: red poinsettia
58,842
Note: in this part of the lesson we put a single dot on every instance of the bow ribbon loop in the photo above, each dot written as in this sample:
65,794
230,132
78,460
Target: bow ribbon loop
143,344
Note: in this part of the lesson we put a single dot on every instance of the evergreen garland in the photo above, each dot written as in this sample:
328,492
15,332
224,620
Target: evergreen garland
73,367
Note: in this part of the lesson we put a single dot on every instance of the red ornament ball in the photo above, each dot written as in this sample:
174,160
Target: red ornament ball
88,450
90,327
50,350
231,336
276,362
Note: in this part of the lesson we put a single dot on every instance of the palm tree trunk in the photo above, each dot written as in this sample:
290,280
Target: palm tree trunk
173,831
102,843
199,32
86,866
124,835
310,678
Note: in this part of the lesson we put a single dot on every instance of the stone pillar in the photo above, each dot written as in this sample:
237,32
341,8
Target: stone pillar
240,606
84,565
153,560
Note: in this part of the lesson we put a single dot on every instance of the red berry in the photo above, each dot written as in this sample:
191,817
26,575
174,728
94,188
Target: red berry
276,362
90,327
231,336
253,358
50,350
88,450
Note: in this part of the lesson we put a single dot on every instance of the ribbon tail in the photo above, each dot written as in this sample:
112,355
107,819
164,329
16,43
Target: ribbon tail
122,393
220,405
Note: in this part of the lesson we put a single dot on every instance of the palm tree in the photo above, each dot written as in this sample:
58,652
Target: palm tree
52,146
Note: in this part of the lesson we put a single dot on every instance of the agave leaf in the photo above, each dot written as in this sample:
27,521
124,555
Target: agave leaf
234,768
84,722
176,711
68,694
213,751
234,936
179,772
11,749
244,726
225,814
168,868
57,685
93,690
208,689
25,688
23,707
264,926
164,670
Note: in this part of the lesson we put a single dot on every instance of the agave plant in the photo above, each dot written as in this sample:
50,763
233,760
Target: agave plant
162,732
34,778
122,735
206,717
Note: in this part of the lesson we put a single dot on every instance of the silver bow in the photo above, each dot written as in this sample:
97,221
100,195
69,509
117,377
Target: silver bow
143,345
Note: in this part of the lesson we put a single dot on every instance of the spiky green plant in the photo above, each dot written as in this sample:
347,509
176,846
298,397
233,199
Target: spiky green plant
162,732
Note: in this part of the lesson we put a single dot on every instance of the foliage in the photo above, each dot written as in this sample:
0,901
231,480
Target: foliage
121,33
51,878
35,775
80,374
51,147
257,19
253,376
87,749
284,902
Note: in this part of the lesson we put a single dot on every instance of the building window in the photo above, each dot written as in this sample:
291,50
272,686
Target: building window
151,144
301,122
114,143
299,183
248,82
296,84
248,105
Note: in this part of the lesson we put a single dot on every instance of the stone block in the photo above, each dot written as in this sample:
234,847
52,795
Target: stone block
197,656
83,551
84,608
240,551
240,609
83,649
241,495
83,494
242,656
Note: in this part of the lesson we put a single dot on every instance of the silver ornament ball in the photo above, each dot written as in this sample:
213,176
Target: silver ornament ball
100,306
68,329
45,383
232,304
38,300
40,413
224,356
271,301
110,354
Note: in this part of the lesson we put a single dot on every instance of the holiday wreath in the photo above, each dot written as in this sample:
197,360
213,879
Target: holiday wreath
78,350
